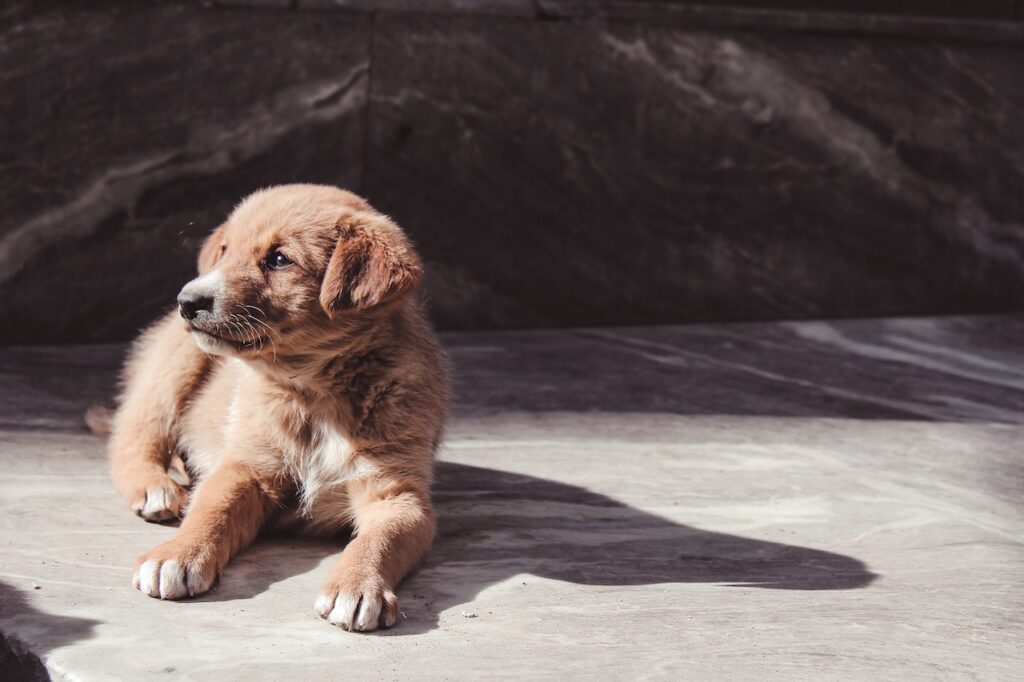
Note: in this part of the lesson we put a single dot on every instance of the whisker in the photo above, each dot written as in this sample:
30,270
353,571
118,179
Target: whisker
257,309
257,337
270,331
251,321
238,327
264,325
250,338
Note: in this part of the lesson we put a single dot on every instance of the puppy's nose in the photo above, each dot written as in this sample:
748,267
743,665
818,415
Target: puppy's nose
189,304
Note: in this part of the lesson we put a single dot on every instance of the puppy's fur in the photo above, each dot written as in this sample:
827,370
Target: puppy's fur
306,389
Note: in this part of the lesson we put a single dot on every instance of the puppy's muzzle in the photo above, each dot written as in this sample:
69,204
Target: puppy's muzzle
198,296
190,305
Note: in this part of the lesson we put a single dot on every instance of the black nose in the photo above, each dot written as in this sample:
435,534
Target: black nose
189,305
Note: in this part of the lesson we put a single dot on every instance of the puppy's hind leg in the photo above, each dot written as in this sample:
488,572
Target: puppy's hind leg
162,372
138,466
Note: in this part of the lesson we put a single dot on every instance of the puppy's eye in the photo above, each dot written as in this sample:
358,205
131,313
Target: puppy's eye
277,260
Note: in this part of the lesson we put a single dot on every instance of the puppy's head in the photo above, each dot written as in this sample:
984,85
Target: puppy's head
290,262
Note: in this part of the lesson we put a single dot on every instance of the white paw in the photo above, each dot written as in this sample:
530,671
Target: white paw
171,578
160,503
358,611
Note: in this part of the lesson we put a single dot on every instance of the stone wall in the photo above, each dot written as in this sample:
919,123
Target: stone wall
556,162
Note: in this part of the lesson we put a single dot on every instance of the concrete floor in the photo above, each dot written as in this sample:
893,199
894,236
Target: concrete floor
773,501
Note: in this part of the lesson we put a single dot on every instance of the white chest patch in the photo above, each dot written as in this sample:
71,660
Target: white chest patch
325,467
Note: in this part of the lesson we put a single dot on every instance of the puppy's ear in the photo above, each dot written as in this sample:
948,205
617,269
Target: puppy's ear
373,263
211,250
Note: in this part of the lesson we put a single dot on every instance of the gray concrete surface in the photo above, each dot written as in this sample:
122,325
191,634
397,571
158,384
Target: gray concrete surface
777,501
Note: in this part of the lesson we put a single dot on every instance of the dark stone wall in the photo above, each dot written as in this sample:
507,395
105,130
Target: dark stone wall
626,163
634,173
129,133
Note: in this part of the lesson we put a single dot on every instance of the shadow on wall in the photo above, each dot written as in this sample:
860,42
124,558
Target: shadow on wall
495,524
19,662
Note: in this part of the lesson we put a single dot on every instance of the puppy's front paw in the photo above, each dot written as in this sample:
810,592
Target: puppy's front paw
358,604
158,499
170,571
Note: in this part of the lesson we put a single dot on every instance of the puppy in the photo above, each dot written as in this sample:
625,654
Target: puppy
303,388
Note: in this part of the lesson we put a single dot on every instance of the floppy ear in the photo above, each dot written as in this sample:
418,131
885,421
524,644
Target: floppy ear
373,263
211,250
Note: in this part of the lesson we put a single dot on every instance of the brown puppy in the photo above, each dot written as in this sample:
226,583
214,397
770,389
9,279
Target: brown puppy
304,388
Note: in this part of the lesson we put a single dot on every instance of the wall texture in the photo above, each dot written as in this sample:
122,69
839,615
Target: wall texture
557,163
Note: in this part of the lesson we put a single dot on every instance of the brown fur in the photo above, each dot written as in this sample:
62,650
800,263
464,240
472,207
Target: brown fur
311,396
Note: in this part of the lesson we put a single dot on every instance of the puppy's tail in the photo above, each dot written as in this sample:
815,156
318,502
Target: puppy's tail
98,419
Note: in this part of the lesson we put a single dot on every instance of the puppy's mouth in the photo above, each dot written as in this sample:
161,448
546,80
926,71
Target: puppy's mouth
213,339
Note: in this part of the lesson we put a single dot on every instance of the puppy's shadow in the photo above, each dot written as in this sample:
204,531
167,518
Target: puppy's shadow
494,525
274,557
